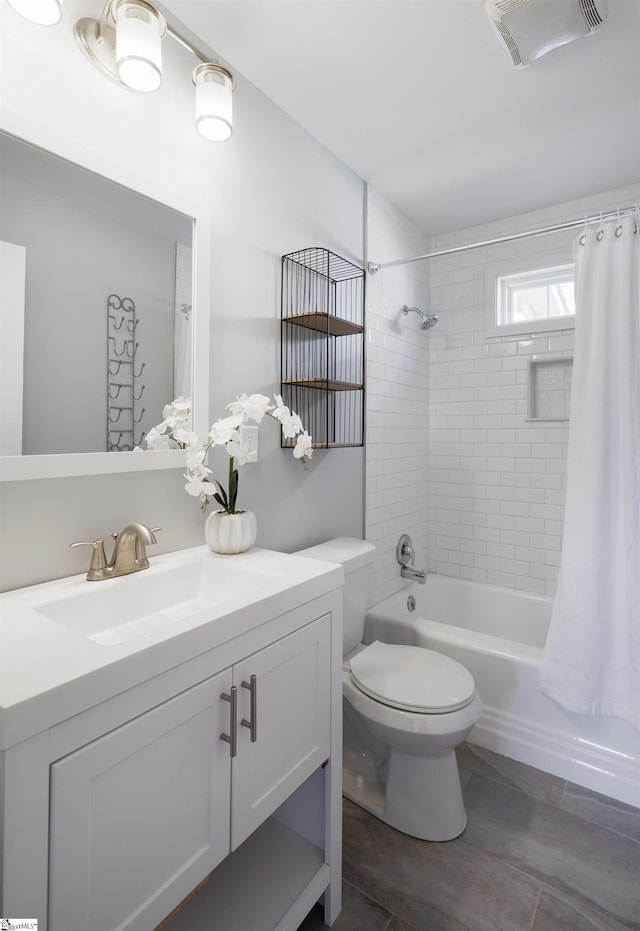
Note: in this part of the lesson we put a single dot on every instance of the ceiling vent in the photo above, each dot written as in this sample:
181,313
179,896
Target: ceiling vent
529,29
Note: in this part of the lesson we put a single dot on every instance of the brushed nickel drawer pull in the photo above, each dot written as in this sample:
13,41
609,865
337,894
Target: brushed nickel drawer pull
252,685
231,739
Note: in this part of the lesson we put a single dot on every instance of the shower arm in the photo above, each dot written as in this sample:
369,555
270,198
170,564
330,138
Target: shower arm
416,310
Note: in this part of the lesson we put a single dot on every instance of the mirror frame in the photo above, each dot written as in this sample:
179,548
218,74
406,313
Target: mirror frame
63,465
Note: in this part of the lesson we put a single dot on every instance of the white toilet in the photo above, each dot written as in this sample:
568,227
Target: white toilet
405,710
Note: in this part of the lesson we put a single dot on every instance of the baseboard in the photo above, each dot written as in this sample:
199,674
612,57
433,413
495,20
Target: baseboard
582,762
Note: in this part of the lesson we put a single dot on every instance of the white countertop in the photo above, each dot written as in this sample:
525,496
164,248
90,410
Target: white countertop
52,666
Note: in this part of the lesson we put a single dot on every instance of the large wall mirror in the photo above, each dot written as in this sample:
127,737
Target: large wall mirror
99,319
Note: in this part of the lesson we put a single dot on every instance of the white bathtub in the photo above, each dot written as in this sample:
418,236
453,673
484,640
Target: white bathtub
499,634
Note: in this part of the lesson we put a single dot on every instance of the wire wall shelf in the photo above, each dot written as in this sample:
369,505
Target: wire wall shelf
322,346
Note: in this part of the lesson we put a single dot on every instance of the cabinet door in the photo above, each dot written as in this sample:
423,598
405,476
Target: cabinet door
292,724
141,815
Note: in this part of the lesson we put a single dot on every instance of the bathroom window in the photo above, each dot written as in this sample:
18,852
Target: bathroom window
537,300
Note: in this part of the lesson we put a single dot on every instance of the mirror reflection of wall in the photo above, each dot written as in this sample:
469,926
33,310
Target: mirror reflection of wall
86,238
183,322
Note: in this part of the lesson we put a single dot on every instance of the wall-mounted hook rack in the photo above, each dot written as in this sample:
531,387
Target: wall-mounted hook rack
122,372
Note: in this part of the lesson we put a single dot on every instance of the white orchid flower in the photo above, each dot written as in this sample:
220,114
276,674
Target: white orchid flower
195,462
303,448
187,438
253,406
174,431
178,408
197,487
156,439
177,414
223,429
280,410
235,449
291,425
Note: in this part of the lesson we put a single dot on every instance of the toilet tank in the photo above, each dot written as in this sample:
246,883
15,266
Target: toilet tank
356,557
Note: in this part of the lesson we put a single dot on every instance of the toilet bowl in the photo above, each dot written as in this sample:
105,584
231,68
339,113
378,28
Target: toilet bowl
405,711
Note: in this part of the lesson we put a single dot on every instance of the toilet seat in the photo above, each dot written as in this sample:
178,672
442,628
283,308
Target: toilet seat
411,678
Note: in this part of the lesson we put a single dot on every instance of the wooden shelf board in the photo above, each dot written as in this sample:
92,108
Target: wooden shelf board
326,445
257,885
329,384
325,323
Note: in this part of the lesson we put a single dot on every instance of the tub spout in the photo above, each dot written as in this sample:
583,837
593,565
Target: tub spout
416,575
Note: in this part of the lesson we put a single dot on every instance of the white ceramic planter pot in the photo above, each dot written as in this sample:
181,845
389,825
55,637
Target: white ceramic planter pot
230,533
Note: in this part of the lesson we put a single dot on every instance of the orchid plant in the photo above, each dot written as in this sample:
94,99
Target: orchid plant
174,433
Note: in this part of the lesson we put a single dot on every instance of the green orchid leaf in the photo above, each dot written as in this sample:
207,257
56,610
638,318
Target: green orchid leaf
222,497
233,489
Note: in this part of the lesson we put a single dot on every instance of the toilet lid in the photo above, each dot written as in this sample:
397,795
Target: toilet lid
411,678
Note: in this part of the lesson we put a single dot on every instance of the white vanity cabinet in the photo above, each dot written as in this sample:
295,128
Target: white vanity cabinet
145,783
137,810
291,722
161,800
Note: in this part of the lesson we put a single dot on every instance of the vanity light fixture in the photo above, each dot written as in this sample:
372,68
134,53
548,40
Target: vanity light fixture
42,12
125,45
214,87
139,32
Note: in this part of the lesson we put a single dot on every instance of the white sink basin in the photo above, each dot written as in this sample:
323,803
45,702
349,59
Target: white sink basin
117,610
68,644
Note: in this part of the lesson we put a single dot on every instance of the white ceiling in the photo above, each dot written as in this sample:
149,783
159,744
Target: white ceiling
419,99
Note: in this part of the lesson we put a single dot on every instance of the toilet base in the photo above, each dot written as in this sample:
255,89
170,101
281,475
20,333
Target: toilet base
429,803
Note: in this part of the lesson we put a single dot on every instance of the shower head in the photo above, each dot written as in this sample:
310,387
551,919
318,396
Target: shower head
428,320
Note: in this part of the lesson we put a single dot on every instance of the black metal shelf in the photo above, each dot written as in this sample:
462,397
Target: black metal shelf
322,343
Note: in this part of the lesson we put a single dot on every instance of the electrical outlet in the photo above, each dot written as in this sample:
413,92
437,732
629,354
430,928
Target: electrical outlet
249,441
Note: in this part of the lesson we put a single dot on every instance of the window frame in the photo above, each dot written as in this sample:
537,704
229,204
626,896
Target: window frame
545,266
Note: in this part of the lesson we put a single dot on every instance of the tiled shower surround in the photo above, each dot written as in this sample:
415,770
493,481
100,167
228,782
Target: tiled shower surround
494,481
397,396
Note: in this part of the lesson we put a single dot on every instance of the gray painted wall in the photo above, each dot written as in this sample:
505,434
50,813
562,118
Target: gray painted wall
268,191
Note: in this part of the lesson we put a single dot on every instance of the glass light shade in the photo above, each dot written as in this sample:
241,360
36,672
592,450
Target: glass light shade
214,108
139,31
42,12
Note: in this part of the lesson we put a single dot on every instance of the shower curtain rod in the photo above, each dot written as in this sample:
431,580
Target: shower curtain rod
373,267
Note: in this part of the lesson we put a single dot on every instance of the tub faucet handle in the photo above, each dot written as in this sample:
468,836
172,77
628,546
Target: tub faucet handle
405,552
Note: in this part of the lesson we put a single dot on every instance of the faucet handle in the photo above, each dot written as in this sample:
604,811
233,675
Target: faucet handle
98,558
405,553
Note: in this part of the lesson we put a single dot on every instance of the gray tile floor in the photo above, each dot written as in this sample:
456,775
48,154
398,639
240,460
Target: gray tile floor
538,854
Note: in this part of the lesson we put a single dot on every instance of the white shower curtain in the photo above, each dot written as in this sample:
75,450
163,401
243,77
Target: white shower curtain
592,656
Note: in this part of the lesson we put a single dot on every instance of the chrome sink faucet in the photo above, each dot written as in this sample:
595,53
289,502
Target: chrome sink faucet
405,554
129,553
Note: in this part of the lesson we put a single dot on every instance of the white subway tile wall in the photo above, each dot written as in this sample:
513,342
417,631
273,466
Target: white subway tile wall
397,414
496,479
